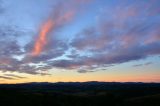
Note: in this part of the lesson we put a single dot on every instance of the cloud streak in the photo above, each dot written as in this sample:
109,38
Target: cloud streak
145,64
14,76
55,20
7,78
41,41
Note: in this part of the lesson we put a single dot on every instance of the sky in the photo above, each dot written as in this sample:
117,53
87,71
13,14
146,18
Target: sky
79,40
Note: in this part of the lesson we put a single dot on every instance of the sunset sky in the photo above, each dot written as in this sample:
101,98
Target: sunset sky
79,40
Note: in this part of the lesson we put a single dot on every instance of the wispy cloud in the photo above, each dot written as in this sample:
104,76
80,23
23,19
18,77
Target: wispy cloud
13,76
8,78
145,64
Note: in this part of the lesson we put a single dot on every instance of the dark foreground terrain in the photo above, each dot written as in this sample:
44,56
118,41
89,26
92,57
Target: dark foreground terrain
80,94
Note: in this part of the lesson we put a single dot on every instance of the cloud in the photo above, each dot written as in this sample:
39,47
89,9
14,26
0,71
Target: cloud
145,64
8,78
11,77
16,49
148,63
119,36
137,65
57,19
14,76
127,32
84,71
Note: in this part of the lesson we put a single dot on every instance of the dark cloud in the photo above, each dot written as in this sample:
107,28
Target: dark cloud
84,71
145,64
8,78
14,76
137,65
10,49
148,63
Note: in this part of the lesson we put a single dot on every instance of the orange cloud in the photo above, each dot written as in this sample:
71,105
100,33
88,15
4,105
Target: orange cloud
62,14
46,28
42,39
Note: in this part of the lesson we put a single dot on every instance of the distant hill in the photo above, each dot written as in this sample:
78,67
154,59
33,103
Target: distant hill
80,94
93,85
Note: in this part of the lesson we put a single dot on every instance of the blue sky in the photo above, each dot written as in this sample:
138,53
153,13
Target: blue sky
102,39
